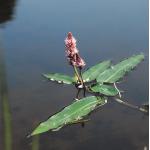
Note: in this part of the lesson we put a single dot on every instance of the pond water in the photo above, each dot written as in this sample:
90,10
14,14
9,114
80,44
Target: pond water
32,36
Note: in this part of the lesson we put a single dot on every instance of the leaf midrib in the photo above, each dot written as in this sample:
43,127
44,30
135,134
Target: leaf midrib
118,71
93,72
76,111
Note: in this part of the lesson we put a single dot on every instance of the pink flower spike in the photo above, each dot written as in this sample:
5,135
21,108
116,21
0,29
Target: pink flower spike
69,35
72,52
70,42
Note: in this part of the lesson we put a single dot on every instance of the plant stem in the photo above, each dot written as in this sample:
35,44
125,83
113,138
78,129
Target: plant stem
77,74
83,83
77,95
117,89
131,105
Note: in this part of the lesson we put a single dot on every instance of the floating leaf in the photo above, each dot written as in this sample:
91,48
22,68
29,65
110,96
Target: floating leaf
119,70
94,71
104,89
70,114
60,78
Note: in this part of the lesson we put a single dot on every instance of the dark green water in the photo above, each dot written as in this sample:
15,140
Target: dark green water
32,36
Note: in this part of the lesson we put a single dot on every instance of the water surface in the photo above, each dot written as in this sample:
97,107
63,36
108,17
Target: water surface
32,36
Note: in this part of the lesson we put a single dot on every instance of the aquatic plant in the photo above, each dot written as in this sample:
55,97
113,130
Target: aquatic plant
100,81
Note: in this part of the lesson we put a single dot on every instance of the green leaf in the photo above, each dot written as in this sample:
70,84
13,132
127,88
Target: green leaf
70,114
60,78
104,89
94,71
119,70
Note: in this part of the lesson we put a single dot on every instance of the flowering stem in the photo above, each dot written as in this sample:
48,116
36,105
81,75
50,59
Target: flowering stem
81,77
77,74
82,82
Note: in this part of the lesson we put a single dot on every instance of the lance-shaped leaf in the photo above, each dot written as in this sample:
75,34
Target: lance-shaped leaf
60,78
94,71
104,89
70,114
119,70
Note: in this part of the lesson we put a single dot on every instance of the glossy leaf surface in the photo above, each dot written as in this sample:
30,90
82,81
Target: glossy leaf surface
104,89
94,71
70,114
119,70
60,78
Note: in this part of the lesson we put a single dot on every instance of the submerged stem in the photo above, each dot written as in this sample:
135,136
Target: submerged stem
131,105
77,95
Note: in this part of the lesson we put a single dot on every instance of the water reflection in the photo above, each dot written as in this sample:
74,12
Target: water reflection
6,14
7,8
6,112
35,143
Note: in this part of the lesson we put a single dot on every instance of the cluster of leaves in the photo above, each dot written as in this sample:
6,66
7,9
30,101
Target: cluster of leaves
99,79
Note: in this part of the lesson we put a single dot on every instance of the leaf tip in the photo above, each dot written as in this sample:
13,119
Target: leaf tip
28,136
44,75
